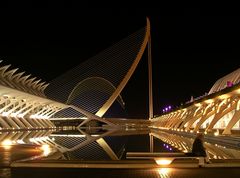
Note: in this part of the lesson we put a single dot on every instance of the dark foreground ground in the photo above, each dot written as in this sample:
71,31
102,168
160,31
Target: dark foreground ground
122,173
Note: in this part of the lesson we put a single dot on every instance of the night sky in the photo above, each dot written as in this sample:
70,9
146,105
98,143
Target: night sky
191,48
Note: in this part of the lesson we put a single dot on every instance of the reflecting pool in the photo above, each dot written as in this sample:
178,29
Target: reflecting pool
101,144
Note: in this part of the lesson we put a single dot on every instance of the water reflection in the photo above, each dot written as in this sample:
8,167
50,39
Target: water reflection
79,144
5,172
90,144
184,144
66,144
164,172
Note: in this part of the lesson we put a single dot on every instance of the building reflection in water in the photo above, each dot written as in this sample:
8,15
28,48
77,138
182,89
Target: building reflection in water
92,144
164,172
5,173
184,144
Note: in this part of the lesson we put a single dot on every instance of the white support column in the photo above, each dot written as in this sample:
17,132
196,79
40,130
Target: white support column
20,124
232,122
11,122
4,123
29,126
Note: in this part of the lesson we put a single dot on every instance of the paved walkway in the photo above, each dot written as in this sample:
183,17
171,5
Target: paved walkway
124,169
126,173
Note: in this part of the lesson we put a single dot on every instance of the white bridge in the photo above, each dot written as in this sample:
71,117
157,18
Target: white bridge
24,104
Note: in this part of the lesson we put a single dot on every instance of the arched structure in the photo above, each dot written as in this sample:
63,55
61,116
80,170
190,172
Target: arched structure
114,67
93,89
219,111
21,110
23,104
116,64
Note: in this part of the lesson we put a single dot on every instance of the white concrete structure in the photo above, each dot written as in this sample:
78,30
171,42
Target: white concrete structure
23,104
231,79
217,112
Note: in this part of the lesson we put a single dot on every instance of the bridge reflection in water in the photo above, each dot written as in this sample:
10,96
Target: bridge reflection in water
105,144
81,146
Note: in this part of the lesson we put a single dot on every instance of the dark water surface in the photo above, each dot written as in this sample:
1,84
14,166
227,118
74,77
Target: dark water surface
96,145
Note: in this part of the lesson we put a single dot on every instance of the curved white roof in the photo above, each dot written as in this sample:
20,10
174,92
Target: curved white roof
226,81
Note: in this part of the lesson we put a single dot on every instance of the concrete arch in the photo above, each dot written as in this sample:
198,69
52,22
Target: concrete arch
125,80
96,83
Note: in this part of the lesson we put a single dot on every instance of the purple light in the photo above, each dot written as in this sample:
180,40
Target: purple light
166,109
170,149
229,84
163,110
167,146
169,107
